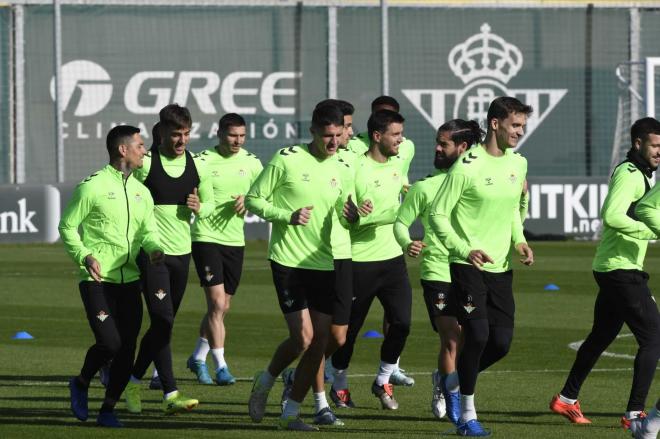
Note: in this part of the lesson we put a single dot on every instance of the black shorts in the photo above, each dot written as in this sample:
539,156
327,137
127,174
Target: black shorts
341,312
218,264
439,299
483,295
301,288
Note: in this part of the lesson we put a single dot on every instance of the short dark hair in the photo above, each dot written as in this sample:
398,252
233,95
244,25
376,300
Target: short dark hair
384,100
230,120
327,115
155,135
380,120
174,116
467,131
501,107
119,135
345,107
642,128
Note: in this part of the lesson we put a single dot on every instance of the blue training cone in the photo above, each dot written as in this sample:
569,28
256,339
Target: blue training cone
22,335
372,334
551,287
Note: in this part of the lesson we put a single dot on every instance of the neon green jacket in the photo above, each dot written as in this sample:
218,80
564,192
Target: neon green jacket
116,218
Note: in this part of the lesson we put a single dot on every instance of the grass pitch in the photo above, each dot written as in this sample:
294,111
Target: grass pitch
39,294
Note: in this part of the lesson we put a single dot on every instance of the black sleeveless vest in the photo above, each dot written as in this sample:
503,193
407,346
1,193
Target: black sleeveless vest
169,190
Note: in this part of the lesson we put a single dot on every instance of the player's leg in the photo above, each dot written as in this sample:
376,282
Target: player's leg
395,295
128,311
606,325
100,315
640,313
365,284
501,310
293,305
471,298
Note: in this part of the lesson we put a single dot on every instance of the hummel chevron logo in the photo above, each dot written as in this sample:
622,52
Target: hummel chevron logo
465,159
286,151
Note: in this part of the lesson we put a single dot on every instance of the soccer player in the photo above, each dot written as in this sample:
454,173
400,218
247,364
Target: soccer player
360,145
341,250
218,243
476,216
623,295
379,268
453,139
176,181
115,213
299,191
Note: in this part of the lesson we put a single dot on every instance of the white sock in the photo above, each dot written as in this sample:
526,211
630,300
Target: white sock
384,372
397,363
201,349
266,380
155,374
134,380
467,408
320,402
219,358
168,395
341,379
451,382
565,400
653,422
291,410
633,414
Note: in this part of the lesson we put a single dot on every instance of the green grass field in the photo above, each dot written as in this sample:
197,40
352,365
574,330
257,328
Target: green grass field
39,294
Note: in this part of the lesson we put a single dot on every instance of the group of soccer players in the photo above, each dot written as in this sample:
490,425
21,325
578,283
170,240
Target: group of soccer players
340,208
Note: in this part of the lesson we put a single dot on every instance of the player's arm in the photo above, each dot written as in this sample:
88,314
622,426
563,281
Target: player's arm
258,200
648,210
205,195
148,233
621,195
439,218
74,214
409,211
524,202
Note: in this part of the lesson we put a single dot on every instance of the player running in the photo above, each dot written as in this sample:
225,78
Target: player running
115,214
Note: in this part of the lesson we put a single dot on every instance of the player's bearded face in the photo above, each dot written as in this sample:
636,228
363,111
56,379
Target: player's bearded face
650,150
509,131
175,141
446,151
391,139
326,140
135,152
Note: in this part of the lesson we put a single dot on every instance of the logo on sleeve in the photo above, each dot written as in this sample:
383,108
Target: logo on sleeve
102,315
160,294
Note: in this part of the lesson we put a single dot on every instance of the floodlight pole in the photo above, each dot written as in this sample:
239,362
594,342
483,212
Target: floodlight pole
59,133
384,27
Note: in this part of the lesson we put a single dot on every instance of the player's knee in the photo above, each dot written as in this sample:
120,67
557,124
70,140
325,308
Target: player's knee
338,339
163,325
399,330
476,332
111,346
303,340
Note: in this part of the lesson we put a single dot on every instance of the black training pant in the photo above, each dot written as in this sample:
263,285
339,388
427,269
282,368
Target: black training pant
624,297
388,281
114,312
163,286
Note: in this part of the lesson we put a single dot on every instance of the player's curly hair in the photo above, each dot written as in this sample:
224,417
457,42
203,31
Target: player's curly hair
467,131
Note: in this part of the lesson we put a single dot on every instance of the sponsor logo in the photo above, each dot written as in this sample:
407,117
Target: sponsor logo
18,221
484,63
102,315
89,82
160,294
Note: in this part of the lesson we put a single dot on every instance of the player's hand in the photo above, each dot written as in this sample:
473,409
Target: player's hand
239,204
478,258
415,248
193,201
301,216
93,268
365,208
526,252
350,210
157,257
